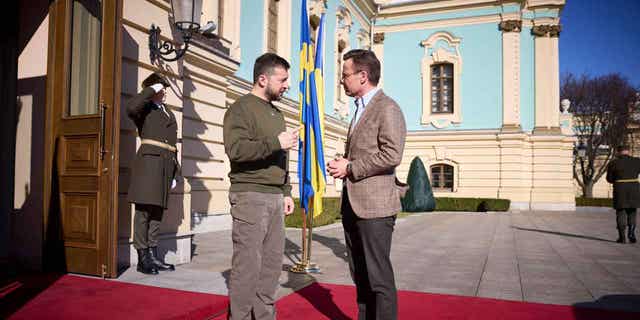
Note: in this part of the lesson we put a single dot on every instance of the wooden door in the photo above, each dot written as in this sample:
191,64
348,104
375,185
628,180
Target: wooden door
83,87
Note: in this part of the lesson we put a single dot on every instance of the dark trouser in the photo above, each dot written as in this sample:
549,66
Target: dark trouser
258,248
146,225
368,246
625,217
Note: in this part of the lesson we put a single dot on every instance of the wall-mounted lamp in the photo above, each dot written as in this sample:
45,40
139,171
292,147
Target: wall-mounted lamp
186,17
581,150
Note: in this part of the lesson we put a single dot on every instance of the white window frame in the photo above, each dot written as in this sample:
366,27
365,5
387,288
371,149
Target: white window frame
433,55
456,175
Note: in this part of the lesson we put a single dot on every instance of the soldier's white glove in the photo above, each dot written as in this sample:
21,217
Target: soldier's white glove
157,87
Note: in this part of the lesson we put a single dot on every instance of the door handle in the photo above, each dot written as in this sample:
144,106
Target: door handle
103,110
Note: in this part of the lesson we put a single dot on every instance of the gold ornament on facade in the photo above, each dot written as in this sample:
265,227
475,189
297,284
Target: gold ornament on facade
547,30
511,26
378,37
554,30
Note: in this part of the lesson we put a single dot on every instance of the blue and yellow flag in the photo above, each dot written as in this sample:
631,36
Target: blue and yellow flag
311,167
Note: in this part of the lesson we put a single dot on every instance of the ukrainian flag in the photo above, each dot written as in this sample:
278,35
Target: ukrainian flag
311,166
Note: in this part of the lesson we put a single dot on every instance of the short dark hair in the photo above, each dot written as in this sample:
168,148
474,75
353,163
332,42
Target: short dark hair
266,63
623,147
365,60
155,78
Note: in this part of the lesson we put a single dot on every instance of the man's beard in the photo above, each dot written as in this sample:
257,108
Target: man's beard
274,95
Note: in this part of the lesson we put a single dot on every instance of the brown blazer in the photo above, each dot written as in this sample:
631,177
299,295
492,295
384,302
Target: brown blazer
374,147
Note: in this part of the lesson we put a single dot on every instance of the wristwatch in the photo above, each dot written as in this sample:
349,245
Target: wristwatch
348,168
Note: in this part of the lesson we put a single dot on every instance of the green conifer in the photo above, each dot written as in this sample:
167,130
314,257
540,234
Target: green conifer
419,198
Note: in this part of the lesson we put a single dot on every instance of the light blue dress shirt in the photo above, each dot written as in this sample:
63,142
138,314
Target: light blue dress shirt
361,103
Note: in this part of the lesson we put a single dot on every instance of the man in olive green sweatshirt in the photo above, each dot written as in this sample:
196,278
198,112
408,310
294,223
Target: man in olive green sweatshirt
257,143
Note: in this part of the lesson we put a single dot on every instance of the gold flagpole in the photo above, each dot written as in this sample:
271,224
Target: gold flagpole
305,265
311,267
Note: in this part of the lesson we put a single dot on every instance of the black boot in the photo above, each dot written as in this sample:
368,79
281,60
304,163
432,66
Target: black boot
632,234
621,238
145,265
153,251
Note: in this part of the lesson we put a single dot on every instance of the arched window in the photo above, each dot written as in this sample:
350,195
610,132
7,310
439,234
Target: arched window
442,177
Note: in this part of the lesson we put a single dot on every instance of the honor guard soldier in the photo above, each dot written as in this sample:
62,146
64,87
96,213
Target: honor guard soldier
154,169
623,174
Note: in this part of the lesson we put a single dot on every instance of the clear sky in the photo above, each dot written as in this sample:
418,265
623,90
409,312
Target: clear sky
600,37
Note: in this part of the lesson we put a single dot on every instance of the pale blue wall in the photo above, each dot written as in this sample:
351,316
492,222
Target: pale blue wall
481,50
251,36
527,80
450,15
481,79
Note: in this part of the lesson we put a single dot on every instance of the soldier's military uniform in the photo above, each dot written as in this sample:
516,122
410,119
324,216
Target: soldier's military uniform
623,174
154,169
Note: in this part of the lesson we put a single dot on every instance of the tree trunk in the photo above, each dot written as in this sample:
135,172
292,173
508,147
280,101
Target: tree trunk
587,189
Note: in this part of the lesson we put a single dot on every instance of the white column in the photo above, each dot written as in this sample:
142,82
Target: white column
511,75
378,48
547,82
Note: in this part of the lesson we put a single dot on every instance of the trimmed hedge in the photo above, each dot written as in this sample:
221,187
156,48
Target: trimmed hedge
330,213
594,202
472,204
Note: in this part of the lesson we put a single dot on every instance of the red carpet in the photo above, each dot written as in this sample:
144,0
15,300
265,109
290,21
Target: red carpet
72,297
336,302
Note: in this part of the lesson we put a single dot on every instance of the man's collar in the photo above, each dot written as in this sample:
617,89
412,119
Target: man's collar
368,96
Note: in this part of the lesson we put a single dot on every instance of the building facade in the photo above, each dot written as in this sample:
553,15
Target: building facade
476,79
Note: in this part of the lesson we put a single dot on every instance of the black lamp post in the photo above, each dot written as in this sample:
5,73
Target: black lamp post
186,17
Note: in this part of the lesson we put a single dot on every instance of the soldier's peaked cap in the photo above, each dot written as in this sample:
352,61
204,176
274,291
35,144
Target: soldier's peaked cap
155,78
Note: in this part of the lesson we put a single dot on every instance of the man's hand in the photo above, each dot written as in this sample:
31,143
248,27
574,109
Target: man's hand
338,168
288,139
288,206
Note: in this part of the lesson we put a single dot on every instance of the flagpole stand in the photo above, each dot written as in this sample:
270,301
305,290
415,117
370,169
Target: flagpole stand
305,265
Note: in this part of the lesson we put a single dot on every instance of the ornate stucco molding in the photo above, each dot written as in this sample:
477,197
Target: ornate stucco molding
510,26
363,39
546,30
343,44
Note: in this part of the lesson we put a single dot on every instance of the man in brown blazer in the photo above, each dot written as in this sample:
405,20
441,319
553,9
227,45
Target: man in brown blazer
154,169
371,196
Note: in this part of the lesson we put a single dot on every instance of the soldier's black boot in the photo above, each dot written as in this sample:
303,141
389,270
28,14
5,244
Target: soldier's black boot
161,265
621,238
145,265
632,234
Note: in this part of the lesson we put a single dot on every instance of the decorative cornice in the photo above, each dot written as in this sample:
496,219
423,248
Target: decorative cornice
378,37
510,26
546,30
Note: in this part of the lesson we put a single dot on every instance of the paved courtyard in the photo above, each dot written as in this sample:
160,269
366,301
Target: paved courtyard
568,258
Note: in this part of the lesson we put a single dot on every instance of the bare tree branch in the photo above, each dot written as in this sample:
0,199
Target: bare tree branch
601,107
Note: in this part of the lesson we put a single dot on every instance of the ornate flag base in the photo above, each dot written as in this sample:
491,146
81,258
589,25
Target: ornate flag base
305,268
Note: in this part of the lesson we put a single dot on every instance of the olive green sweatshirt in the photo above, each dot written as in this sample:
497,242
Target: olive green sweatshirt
251,128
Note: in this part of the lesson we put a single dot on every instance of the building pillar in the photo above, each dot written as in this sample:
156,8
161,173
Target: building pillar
378,48
511,75
547,79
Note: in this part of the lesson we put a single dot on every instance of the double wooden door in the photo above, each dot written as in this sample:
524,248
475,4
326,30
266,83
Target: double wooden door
83,88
